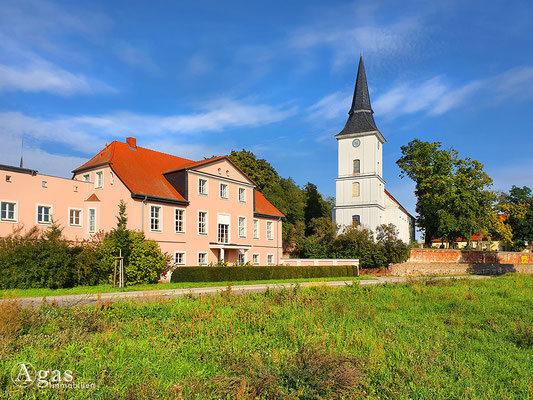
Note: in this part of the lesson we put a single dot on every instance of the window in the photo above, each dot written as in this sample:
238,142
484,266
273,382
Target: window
44,214
378,145
223,191
86,178
179,258
202,258
270,235
255,259
44,184
111,178
355,189
155,219
8,211
74,217
356,219
223,233
92,220
240,259
8,178
202,222
202,187
99,180
242,227
242,195
270,259
180,226
256,229
356,166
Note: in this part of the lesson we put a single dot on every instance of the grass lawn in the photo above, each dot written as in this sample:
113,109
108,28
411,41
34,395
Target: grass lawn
41,292
458,339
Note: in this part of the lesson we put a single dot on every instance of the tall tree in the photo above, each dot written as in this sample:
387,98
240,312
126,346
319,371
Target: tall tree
453,199
517,206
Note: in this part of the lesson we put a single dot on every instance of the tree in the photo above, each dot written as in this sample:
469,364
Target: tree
517,207
315,206
453,199
394,249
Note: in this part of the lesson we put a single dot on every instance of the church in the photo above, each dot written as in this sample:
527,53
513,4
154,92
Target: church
361,197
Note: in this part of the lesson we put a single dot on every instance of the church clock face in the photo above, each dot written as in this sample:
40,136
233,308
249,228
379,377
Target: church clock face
356,143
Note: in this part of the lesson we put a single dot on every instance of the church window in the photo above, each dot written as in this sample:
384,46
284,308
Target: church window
356,166
355,189
356,219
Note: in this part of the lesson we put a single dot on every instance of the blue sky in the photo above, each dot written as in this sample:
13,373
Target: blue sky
201,78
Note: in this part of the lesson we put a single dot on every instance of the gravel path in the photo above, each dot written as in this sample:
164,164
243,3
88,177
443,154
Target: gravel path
151,295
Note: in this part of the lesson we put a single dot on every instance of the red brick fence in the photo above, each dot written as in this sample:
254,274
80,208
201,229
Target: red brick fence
455,262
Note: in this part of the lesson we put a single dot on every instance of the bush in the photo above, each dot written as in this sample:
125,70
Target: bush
146,261
37,259
219,274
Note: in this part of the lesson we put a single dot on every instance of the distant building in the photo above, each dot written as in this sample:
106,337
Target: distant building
361,197
199,212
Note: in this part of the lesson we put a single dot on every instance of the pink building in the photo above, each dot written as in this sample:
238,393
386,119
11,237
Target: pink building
199,212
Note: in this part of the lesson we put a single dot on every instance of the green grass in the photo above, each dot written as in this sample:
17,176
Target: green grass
42,292
457,339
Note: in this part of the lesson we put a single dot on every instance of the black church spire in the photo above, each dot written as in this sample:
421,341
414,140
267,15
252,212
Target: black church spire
360,115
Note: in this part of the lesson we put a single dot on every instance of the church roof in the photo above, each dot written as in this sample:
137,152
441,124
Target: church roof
360,115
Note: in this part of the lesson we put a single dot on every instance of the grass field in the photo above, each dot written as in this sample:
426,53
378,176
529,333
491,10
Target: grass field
42,292
470,339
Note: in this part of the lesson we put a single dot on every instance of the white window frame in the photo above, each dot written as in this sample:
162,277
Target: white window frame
270,232
243,255
182,220
243,191
198,258
111,177
15,213
270,259
159,219
89,220
51,214
228,235
206,191
205,222
226,192
183,258
80,218
243,235
97,184
254,261
256,228
86,177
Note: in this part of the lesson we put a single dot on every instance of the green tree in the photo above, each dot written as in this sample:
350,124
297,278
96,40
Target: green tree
453,199
315,206
394,249
517,206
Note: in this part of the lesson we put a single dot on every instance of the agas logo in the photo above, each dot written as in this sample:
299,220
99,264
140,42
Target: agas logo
23,374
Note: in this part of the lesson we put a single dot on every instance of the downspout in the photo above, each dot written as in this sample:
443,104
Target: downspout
142,212
277,238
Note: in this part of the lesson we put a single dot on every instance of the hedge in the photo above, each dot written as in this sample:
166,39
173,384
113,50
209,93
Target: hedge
218,274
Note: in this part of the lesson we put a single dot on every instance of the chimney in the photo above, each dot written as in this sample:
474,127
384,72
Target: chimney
132,142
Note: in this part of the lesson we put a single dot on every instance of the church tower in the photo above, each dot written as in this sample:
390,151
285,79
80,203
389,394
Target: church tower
360,188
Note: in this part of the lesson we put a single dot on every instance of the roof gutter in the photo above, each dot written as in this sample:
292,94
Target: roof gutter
145,197
269,216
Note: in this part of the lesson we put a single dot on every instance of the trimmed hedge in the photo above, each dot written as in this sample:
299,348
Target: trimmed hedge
219,274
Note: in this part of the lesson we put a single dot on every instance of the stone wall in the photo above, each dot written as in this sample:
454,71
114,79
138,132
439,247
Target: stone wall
419,268
459,262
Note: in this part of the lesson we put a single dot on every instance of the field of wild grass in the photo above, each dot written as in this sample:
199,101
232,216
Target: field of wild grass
470,339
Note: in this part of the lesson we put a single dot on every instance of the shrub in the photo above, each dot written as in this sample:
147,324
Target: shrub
394,250
146,261
219,274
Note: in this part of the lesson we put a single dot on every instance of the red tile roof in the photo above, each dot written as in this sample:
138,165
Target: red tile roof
141,170
263,206
93,197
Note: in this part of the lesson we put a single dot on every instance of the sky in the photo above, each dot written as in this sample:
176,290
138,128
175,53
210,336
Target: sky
200,78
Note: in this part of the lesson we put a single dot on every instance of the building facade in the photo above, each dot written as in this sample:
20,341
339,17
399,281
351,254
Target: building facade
198,212
361,197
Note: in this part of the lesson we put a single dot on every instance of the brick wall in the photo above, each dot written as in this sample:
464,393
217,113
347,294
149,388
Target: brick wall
469,256
459,262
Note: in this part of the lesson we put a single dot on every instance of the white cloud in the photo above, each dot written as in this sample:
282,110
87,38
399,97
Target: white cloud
46,77
434,96
32,33
87,133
